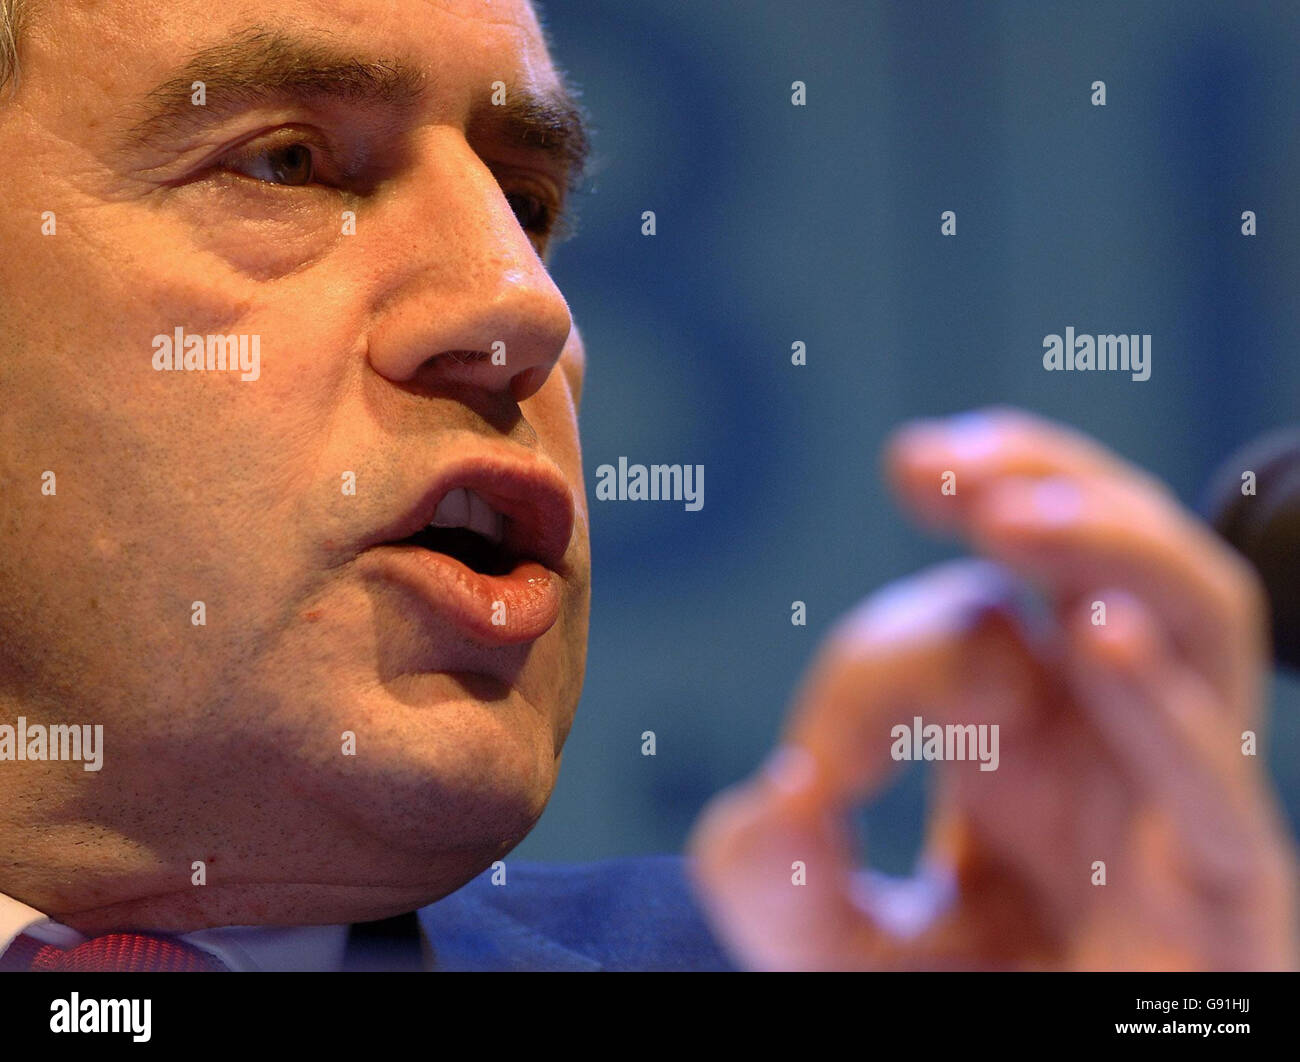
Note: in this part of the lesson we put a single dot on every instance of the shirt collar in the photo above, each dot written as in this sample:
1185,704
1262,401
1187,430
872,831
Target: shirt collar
16,918
297,948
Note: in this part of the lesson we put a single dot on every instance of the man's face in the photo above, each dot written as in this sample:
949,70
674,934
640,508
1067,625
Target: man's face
380,233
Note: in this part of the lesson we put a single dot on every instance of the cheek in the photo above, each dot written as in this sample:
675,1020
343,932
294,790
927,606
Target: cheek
554,417
552,414
172,486
264,233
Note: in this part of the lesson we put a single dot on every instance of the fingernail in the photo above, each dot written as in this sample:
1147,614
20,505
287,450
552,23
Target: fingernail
971,435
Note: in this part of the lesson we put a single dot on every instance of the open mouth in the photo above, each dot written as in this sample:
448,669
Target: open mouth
467,527
484,544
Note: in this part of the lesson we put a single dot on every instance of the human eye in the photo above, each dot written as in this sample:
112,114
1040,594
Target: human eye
288,159
539,214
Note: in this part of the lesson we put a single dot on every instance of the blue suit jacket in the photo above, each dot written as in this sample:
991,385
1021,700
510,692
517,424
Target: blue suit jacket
618,914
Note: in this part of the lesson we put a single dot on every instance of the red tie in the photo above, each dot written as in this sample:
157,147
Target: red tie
134,952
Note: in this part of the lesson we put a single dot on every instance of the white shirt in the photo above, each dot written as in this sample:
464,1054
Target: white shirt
241,948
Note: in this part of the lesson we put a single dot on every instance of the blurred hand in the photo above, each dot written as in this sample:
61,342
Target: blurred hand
1119,743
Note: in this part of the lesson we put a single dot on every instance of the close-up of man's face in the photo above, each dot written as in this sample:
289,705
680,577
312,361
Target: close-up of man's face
980,657
251,575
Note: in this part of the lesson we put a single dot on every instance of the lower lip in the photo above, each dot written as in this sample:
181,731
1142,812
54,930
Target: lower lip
491,609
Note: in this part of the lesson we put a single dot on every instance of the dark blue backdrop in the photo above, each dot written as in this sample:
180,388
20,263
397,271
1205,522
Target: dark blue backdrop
821,223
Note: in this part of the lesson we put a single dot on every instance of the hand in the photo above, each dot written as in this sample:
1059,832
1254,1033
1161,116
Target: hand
1119,743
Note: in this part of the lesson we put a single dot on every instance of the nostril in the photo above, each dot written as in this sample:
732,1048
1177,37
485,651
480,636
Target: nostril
527,383
464,357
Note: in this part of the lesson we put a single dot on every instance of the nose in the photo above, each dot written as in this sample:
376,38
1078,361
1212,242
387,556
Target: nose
464,299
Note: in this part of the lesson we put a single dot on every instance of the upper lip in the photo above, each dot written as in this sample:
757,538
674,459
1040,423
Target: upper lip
527,489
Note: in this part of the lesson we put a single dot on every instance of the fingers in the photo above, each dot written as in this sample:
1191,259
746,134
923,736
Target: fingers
932,644
773,873
1055,506
778,882
983,446
1165,726
773,859
1080,536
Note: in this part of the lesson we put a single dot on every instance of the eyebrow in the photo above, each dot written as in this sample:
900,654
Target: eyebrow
261,65
550,123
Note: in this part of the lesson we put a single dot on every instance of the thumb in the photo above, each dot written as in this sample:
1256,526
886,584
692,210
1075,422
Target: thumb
774,872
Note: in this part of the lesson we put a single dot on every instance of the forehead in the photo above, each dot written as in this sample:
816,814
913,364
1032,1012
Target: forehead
463,45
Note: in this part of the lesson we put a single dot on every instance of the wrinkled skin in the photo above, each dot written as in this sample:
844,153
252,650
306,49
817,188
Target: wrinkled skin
223,742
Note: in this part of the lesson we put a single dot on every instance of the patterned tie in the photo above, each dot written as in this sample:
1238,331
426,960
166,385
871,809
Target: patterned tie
133,952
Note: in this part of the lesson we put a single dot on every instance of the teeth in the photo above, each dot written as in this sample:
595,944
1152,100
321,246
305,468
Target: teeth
453,510
464,508
484,519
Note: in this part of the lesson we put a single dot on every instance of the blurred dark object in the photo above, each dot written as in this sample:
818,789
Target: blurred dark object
1265,526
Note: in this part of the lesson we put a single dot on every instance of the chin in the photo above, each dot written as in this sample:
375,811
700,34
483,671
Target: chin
461,776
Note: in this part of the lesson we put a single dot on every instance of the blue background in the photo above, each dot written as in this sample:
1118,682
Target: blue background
821,223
